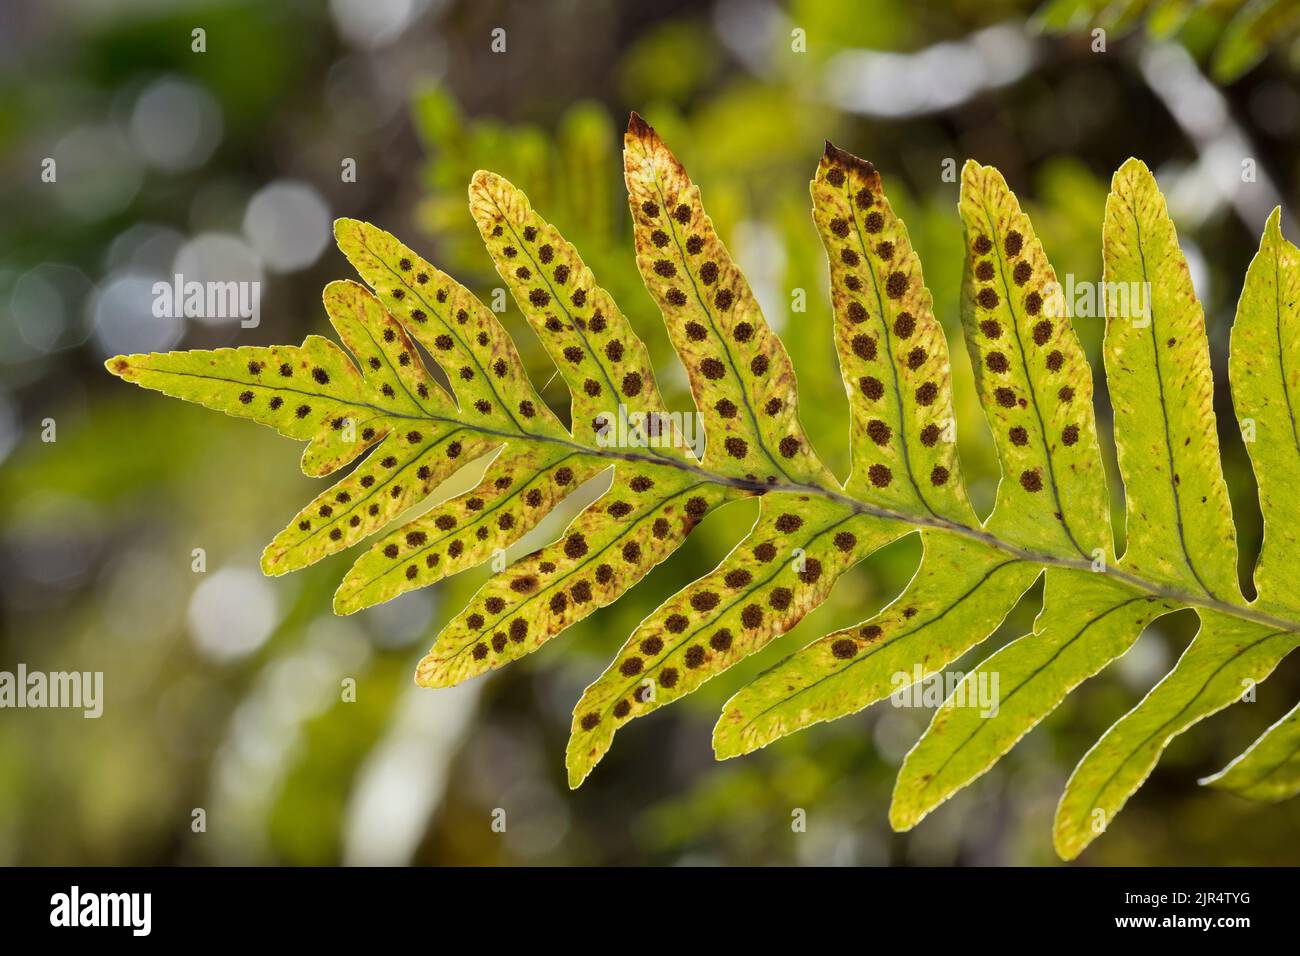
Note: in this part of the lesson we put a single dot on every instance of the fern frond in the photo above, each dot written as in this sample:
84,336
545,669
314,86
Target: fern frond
380,405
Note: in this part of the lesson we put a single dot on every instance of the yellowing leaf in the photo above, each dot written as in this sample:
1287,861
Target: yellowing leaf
783,569
1087,621
602,360
739,371
608,548
893,356
378,406
1033,379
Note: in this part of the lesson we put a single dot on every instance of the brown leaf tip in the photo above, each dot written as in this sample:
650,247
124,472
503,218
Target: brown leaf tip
638,127
836,158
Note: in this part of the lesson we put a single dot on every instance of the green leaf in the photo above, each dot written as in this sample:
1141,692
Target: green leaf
406,428
1060,16
1246,39
1221,664
1270,769
1240,31
1086,622
1265,373
1033,379
961,593
1167,17
1158,370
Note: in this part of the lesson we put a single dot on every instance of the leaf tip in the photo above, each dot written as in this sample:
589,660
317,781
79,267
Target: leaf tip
1273,225
834,156
270,561
344,225
901,819
1068,838
1132,170
120,365
725,745
485,181
638,127
577,770
428,673
345,600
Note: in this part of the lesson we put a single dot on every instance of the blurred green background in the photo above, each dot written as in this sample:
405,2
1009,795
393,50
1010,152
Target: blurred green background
223,687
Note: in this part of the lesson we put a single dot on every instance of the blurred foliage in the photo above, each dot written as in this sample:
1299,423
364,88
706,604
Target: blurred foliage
97,528
1233,36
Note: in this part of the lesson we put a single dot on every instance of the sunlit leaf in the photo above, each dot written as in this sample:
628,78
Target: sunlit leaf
427,381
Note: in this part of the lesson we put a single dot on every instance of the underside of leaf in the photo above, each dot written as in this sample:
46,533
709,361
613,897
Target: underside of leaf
405,427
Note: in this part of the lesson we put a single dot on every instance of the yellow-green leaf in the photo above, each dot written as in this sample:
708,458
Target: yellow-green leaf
1086,622
893,355
1158,373
961,593
516,492
600,357
1270,769
461,333
783,569
739,371
607,549
1033,379
1264,367
1223,662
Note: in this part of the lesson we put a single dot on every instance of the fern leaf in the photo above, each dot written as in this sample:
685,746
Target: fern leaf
959,580
1270,769
783,569
1157,358
1246,38
461,333
1222,662
1167,17
1265,379
1179,518
893,355
518,489
1033,379
1058,16
1087,621
607,549
604,363
1240,31
740,373
739,370
379,405
1037,393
